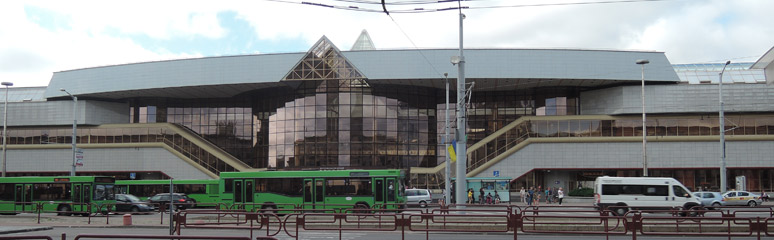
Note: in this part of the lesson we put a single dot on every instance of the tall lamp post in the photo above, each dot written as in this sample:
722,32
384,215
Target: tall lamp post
461,166
642,63
722,126
447,188
5,120
75,125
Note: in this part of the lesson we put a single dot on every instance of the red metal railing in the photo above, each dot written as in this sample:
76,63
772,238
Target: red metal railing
725,222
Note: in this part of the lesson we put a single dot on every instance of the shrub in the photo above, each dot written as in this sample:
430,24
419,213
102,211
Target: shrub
582,192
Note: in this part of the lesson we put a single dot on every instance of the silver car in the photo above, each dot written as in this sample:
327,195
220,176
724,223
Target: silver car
741,198
418,196
710,199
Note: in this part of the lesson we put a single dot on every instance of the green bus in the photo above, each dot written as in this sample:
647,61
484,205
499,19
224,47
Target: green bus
323,189
66,194
205,191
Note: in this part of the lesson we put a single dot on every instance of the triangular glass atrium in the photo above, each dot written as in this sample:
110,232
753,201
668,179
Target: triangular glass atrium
323,62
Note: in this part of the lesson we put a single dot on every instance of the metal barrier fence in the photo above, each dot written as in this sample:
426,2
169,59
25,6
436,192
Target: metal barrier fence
473,218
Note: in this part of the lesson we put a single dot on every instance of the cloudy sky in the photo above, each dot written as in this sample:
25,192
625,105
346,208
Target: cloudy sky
38,38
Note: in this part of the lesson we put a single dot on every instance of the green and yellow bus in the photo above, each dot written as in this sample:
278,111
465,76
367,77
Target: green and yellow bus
205,192
66,194
324,189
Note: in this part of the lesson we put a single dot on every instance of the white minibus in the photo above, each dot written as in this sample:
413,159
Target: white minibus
624,193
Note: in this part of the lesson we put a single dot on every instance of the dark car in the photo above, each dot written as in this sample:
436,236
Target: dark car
131,203
181,200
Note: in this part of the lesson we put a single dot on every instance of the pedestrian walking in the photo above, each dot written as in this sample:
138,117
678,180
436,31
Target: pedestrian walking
549,195
523,194
530,196
560,195
538,195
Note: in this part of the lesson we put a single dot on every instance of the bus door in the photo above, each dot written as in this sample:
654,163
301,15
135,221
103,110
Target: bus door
81,196
23,197
243,191
314,192
384,191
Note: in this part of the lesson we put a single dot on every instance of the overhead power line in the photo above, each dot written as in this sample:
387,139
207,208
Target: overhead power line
428,10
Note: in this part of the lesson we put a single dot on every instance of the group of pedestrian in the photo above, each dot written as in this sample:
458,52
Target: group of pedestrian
533,196
483,199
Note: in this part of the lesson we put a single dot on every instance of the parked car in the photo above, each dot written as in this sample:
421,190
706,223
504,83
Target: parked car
418,196
710,199
131,203
741,198
181,200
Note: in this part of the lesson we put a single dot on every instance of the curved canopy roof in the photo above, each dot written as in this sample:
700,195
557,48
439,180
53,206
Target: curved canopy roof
491,69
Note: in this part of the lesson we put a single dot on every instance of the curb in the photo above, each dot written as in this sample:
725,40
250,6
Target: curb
20,229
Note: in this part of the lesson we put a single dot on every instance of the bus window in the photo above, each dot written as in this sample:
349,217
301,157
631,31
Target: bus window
379,189
104,192
307,190
238,191
77,193
248,190
319,191
348,187
391,190
6,192
229,186
86,193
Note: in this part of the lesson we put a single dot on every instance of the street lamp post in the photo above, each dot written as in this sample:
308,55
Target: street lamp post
5,121
75,125
722,127
447,188
642,63
461,166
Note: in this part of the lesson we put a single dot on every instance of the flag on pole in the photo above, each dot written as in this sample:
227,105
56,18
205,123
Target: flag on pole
451,149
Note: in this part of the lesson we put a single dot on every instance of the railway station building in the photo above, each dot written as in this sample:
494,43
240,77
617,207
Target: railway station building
550,117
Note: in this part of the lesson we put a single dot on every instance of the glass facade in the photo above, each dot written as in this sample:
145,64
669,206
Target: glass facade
107,134
704,73
344,123
347,124
623,127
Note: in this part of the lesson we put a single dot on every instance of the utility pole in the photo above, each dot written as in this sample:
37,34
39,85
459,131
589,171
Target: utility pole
447,178
722,127
462,183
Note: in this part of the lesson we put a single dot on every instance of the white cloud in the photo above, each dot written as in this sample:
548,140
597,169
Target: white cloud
96,33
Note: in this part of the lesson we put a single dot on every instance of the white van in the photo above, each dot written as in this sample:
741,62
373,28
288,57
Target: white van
645,192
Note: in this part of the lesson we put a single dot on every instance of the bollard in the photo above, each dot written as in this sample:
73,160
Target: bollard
127,219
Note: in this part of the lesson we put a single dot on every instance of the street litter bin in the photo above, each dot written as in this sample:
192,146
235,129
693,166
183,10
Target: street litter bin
127,219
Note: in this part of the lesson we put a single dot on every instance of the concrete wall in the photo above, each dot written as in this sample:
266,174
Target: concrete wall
680,99
103,159
751,154
58,113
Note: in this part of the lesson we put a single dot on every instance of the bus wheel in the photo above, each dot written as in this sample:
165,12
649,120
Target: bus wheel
361,208
63,210
269,209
